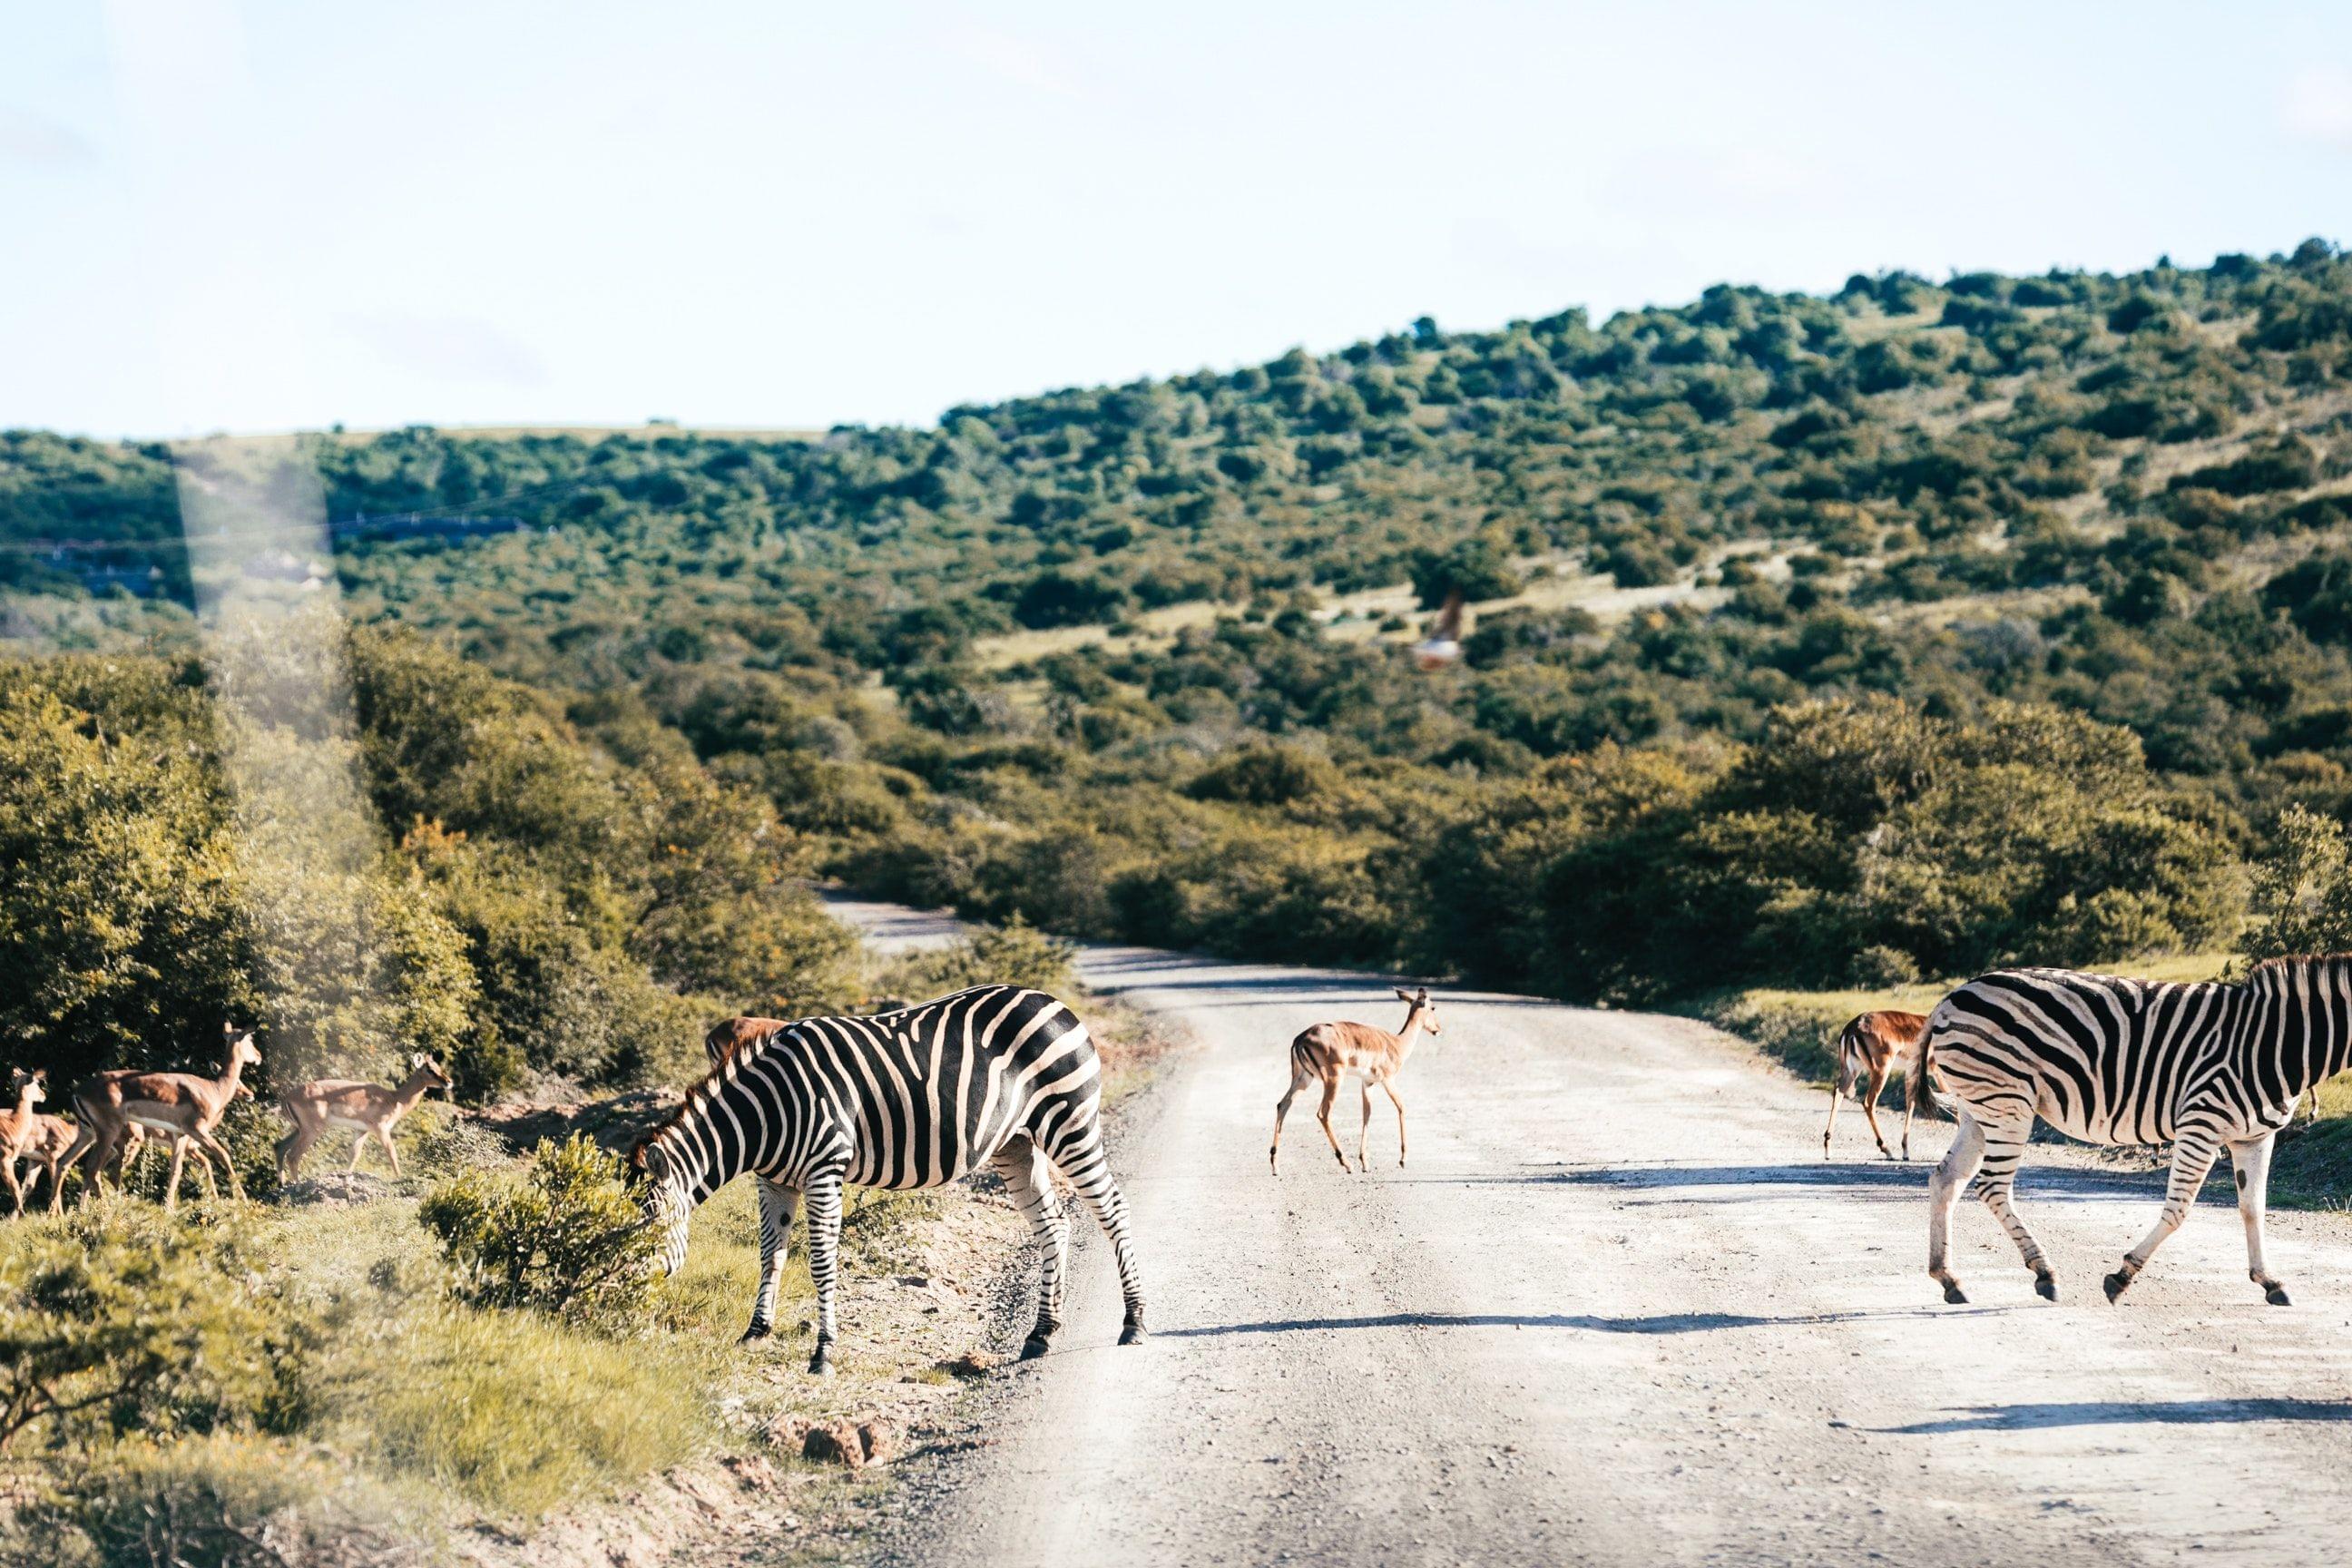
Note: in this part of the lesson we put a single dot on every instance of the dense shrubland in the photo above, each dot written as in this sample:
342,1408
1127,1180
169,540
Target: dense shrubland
553,891
2037,621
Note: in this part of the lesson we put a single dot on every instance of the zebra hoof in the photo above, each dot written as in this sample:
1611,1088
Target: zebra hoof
2046,1287
2277,1296
1133,1333
758,1331
1955,1297
1036,1346
821,1363
2115,1283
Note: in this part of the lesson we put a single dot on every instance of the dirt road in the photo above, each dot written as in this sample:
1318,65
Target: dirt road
1617,1309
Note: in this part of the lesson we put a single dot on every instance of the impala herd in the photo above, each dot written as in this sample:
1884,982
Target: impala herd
119,1111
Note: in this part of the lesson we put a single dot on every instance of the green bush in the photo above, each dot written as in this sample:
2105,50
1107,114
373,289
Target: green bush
565,1238
1013,954
219,1501
119,1320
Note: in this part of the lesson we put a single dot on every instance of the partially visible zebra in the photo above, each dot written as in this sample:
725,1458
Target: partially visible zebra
2206,1066
916,1097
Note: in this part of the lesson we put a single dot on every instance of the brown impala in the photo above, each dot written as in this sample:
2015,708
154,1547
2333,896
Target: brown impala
1328,1052
349,1105
1871,1048
182,1106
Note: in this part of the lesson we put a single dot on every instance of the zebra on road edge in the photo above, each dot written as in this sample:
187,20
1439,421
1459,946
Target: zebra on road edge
918,1097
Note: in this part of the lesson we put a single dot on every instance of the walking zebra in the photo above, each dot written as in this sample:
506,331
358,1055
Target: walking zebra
2206,1066
912,1099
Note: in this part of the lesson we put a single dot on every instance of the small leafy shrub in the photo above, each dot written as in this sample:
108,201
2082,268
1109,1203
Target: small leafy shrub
1014,953
2302,893
566,1237
120,1321
1880,965
216,1502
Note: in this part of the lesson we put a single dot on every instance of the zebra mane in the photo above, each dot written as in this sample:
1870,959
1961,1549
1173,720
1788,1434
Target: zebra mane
2273,976
706,1088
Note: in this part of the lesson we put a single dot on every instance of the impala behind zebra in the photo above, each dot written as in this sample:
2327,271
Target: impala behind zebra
2207,1066
916,1097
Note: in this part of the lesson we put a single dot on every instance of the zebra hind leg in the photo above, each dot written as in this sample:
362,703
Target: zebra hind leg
2252,1159
1944,1188
1032,1189
1082,1159
822,1195
778,1204
2004,1148
2192,1157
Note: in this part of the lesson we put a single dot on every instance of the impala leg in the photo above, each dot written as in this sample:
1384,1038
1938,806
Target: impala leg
383,1136
1323,1115
1023,1166
205,1169
1299,1079
1364,1130
823,1197
1875,1084
1944,1188
1390,1089
1837,1093
358,1143
213,1146
85,1139
1906,1126
289,1150
179,1163
16,1188
2252,1159
2192,1157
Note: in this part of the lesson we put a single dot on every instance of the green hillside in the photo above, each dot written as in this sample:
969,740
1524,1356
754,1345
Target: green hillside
1126,660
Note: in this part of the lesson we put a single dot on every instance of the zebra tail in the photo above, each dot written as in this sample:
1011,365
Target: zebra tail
1921,1092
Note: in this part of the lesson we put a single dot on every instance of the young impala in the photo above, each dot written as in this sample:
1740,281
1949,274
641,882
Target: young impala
349,1105
20,1129
1873,1047
183,1107
1328,1052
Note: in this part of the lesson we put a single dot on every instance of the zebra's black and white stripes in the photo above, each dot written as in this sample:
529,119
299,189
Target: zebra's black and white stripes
2108,1060
912,1099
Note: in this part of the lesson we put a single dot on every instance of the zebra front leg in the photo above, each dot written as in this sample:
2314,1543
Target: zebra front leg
1951,1178
1023,1166
2005,1148
1081,1157
2252,1159
2192,1158
778,1204
822,1195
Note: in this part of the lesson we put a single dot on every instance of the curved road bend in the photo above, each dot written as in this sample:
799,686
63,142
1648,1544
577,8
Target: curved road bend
1617,1309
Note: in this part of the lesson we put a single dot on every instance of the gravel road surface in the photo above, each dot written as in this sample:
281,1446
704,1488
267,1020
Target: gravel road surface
1617,1309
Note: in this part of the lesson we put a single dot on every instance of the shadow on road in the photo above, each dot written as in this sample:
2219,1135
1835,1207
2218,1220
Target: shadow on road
2038,1183
2162,1412
1658,1323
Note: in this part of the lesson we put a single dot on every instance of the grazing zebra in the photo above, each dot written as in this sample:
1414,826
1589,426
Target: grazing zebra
2205,1066
912,1099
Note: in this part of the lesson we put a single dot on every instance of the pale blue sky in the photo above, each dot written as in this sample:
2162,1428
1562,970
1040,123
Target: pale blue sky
252,214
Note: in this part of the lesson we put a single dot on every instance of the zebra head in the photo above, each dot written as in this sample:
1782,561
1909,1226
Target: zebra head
664,1201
